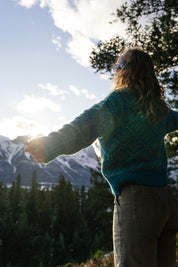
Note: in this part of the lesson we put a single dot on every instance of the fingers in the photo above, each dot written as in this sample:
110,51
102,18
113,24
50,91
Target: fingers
36,150
39,156
30,146
39,159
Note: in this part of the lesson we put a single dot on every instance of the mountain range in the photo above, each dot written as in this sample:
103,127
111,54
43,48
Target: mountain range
75,168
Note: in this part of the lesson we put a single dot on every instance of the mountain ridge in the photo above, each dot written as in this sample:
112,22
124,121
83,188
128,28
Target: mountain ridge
13,161
75,168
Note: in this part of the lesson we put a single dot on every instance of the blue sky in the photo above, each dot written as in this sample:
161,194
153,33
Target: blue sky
46,80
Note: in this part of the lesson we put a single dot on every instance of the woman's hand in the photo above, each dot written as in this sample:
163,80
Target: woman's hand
36,150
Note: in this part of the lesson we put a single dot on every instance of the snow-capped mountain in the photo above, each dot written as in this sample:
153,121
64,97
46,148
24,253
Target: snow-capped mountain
76,168
13,160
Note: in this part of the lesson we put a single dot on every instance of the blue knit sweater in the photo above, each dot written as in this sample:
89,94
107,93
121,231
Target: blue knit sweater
132,150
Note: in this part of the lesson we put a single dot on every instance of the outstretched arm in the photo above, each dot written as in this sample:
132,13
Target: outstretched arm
80,133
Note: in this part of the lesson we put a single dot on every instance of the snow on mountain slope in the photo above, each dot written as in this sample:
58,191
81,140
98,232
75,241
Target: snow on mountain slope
76,168
13,160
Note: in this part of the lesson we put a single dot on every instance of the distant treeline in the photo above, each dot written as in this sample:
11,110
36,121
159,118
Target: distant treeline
48,228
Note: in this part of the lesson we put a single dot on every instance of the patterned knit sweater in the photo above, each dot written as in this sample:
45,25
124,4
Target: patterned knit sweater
132,150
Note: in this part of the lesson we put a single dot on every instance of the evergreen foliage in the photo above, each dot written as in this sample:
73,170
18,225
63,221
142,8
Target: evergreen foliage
63,226
48,228
151,25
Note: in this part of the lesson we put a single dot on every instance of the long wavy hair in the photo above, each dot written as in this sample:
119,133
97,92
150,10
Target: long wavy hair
138,74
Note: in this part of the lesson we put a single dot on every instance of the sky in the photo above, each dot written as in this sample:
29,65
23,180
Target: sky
45,76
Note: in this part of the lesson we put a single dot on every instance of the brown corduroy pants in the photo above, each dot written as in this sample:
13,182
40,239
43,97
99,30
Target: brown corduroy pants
145,223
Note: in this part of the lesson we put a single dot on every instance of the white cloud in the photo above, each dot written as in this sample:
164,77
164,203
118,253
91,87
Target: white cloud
63,98
74,89
85,92
19,126
57,41
87,95
53,89
87,21
43,3
80,47
27,3
105,76
31,104
89,17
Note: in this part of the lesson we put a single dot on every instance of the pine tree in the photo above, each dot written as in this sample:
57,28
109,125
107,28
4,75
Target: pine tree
33,202
99,209
81,239
16,198
82,200
45,209
152,25
65,217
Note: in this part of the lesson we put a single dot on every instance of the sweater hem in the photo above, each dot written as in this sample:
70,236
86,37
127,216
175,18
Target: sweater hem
149,178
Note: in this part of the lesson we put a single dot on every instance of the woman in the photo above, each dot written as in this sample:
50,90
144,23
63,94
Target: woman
130,125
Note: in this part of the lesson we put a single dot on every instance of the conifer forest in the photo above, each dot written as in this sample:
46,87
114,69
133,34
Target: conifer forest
52,227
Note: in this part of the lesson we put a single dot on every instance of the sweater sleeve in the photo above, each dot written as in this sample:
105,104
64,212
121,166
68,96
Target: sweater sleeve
172,121
80,133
